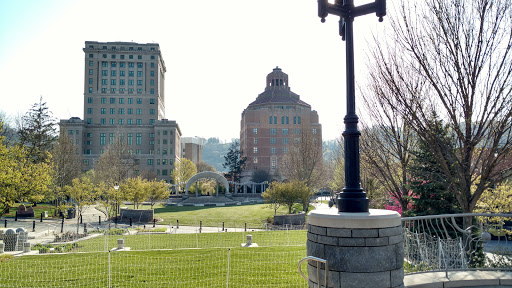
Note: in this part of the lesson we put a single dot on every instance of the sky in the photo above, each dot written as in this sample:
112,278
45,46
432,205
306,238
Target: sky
217,55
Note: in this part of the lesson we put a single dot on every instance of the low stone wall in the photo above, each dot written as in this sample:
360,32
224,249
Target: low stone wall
146,215
291,219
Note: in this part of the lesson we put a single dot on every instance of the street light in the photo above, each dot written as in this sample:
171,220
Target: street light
353,198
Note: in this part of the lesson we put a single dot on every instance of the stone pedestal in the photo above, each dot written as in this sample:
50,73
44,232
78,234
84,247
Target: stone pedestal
2,246
26,247
120,243
361,249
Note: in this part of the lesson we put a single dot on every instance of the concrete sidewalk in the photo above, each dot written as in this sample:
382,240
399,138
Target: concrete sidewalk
472,278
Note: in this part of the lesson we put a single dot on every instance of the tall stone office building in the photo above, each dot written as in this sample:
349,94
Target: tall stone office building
124,99
272,124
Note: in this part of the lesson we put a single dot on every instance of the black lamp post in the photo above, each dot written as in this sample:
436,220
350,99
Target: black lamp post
353,198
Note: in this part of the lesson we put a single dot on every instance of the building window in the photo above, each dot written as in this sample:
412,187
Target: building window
255,160
111,138
152,91
139,64
121,73
113,73
130,64
152,111
130,100
121,82
112,121
138,151
102,138
273,163
104,64
255,140
284,141
284,131
121,121
273,150
90,71
139,82
139,57
255,131
273,140
130,56
89,100
153,63
255,150
152,73
139,90
89,120
103,110
90,89
121,100
91,63
112,111
113,64
296,131
104,82
121,111
130,122
139,73
90,81
285,150
130,110
104,72
112,100
130,82
89,110
103,100
130,137
139,111
150,161
91,56
139,100
273,131
103,90
112,81
294,119
139,122
314,131
298,120
152,82
122,64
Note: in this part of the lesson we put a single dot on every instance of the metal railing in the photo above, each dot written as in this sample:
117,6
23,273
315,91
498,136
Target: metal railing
318,260
442,243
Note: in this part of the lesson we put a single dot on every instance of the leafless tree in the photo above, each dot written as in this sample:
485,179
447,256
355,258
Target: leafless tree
304,161
453,58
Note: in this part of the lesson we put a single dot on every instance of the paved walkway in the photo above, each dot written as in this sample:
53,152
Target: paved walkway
474,278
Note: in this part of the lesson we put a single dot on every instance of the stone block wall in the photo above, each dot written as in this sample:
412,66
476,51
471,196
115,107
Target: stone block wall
356,257
137,216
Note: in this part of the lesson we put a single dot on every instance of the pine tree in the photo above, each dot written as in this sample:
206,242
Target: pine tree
234,161
433,193
37,132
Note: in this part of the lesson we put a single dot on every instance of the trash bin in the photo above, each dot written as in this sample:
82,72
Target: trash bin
71,213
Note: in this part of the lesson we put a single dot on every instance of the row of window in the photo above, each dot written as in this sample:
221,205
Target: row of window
103,100
122,73
273,162
273,140
284,131
113,64
122,48
122,90
121,56
284,120
273,150
120,121
120,111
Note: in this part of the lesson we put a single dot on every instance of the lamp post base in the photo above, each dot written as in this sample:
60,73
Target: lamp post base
352,202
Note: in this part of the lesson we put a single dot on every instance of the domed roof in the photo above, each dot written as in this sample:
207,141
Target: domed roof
278,91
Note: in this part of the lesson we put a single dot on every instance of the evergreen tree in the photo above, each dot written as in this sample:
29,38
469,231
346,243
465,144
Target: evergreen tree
234,161
37,132
432,191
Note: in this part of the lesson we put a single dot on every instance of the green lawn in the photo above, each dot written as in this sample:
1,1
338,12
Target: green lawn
203,240
255,215
240,267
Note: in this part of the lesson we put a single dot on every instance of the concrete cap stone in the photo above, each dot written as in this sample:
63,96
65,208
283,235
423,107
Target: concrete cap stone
375,218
